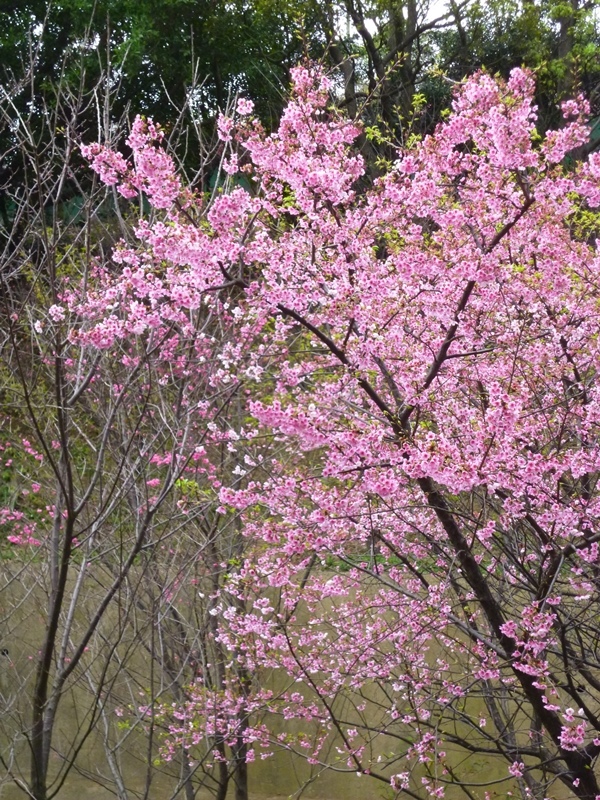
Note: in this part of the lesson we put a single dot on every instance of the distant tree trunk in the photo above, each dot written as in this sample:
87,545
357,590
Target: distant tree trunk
566,40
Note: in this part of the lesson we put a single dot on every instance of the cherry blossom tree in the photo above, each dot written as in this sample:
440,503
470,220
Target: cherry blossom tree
424,349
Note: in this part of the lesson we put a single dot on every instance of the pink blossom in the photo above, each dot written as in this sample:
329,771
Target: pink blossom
516,769
244,106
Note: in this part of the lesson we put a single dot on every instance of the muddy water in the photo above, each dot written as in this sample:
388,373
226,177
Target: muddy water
280,776
22,615
275,779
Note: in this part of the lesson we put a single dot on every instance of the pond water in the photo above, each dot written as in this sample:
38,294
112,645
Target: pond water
280,776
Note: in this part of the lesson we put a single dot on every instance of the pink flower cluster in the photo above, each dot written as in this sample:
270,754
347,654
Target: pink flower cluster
422,357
